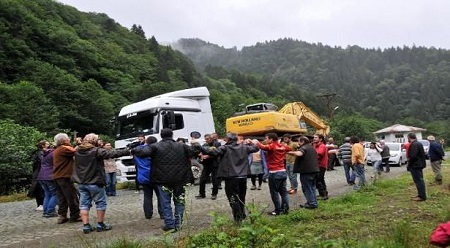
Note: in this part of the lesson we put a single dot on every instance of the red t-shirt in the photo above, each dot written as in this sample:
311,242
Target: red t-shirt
275,155
322,154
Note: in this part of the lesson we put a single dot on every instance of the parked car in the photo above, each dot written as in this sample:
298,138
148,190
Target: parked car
426,147
397,152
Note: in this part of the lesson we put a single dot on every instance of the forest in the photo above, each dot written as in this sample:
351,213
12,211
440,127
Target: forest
62,70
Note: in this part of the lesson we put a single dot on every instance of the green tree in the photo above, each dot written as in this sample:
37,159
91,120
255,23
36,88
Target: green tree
137,29
18,143
27,105
348,125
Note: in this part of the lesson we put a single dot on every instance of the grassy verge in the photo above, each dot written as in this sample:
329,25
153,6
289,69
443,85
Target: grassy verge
19,196
381,215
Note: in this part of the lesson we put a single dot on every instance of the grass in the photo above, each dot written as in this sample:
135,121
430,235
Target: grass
380,215
19,196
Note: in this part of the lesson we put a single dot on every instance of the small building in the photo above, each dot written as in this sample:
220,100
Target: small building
398,133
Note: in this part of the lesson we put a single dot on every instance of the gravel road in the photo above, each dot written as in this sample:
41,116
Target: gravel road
22,226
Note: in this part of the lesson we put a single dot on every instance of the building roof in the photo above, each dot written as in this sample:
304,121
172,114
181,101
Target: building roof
398,128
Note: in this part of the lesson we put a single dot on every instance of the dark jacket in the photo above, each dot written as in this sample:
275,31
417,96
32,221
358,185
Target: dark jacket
386,153
212,161
233,159
307,163
36,158
171,161
89,167
435,152
45,173
416,155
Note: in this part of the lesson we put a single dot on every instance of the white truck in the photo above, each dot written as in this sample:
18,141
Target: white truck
187,112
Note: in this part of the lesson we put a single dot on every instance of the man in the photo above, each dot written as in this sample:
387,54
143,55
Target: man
332,156
140,142
290,160
345,155
171,165
89,173
322,157
416,164
385,155
234,169
277,172
217,142
358,161
62,172
436,154
143,176
210,165
307,165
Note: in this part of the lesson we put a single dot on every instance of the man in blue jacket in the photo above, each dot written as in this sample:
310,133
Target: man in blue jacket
171,165
436,154
143,177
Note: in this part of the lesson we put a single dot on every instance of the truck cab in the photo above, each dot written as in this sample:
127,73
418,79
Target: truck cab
186,112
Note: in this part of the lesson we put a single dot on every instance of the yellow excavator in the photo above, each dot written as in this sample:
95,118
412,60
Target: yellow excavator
261,118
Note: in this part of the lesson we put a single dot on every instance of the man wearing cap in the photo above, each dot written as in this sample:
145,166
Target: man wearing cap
436,154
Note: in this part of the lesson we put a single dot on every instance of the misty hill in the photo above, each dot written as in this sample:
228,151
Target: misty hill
390,85
62,68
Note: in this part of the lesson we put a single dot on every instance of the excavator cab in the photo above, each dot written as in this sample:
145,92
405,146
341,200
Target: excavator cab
261,107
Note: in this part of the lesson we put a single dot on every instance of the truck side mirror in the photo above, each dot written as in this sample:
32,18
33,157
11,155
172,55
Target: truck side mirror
169,119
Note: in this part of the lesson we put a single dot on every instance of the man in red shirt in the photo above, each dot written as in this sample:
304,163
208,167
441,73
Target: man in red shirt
322,157
277,172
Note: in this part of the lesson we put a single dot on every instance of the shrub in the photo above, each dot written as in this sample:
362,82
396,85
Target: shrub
17,143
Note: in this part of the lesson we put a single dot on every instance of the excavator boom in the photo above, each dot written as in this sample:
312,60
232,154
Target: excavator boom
304,113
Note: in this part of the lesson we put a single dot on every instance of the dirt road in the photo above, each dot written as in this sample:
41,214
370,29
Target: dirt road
22,226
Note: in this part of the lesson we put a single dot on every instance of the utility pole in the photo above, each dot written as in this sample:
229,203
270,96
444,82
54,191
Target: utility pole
327,100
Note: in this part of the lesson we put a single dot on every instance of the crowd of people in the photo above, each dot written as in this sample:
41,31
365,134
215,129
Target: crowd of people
163,169
62,166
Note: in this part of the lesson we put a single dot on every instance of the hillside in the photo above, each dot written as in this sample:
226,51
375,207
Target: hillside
62,69
65,69
391,85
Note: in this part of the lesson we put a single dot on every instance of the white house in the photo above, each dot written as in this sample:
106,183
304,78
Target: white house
398,133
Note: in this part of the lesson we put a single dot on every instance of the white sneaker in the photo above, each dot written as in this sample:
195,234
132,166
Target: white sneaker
40,208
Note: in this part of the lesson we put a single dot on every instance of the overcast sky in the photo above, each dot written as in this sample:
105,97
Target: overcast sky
228,23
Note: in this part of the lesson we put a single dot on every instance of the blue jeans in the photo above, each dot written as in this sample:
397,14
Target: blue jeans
277,187
50,197
111,183
349,176
308,181
417,175
360,174
292,176
166,192
376,167
148,200
89,193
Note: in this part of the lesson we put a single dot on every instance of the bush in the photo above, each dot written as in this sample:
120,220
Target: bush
17,144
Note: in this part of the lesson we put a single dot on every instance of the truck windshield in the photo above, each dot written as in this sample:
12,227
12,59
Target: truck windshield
131,125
